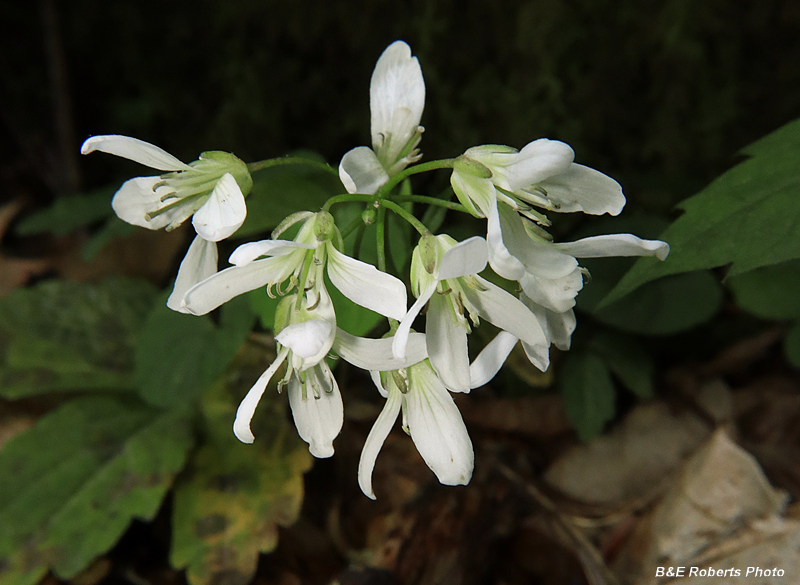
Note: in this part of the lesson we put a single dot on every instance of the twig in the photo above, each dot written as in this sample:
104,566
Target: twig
592,561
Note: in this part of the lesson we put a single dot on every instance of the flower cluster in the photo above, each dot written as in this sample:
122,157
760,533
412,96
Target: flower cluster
415,372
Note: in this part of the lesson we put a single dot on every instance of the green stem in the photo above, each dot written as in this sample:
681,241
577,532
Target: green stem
291,160
418,225
446,163
303,276
430,201
347,198
357,242
380,238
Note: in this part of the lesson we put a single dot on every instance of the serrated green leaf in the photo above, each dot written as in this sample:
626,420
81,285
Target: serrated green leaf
73,482
770,292
791,345
178,355
229,504
69,213
748,217
627,361
285,189
663,307
588,393
66,336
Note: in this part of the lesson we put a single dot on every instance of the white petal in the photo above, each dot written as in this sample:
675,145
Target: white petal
467,257
538,355
246,253
396,100
324,313
361,172
318,420
367,286
377,436
401,335
199,263
376,379
137,197
135,150
376,354
507,312
540,258
437,428
305,339
614,245
223,213
537,161
244,414
447,345
503,262
583,189
557,294
491,359
231,282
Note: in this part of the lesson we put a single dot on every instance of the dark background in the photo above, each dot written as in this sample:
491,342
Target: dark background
660,95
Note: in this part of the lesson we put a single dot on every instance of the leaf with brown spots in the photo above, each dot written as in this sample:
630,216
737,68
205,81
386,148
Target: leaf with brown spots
229,504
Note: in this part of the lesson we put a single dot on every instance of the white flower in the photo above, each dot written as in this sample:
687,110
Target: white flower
501,184
431,418
210,190
396,100
444,275
362,283
305,336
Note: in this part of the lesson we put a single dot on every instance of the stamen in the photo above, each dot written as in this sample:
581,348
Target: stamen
314,306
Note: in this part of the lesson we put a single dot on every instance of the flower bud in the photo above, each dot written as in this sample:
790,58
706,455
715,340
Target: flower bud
428,252
368,216
472,167
324,225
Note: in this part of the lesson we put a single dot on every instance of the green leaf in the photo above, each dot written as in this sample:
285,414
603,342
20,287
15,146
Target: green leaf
664,307
113,228
73,483
69,213
178,355
627,360
588,393
264,306
747,217
66,336
285,189
791,345
669,305
229,504
770,292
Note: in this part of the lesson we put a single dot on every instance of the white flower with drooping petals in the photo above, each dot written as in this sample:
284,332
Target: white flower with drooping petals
396,101
444,275
211,190
305,336
431,418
